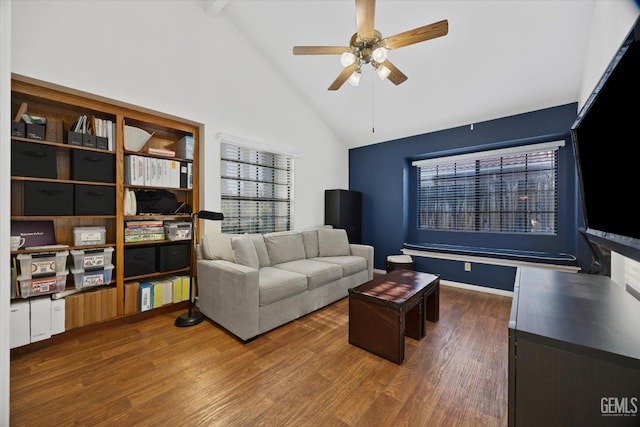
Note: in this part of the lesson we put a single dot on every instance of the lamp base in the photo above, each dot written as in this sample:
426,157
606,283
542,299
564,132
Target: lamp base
189,318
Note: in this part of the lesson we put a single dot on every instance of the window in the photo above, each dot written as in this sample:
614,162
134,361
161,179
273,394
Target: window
256,188
512,190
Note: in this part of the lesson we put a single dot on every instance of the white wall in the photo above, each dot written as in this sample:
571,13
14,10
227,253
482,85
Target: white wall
170,56
5,190
612,21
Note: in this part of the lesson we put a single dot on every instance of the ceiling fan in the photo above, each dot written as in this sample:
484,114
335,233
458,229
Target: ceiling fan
368,46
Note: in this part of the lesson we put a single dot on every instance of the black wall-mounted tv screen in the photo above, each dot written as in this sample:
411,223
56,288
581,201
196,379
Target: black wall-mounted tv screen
605,136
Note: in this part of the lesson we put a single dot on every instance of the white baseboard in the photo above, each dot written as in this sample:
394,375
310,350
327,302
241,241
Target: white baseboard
476,288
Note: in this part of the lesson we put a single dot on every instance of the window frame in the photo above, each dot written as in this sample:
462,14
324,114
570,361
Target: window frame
466,212
259,180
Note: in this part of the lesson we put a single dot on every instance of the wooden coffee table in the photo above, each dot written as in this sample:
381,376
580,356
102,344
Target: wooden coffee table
386,309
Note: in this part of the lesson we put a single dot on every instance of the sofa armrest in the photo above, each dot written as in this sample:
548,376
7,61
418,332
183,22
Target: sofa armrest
228,294
365,251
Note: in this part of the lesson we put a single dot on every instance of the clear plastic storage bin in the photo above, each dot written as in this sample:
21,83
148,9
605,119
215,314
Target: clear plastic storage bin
91,259
89,278
89,236
42,285
177,230
41,264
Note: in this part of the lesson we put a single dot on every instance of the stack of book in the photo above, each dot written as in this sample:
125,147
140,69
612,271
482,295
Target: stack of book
143,231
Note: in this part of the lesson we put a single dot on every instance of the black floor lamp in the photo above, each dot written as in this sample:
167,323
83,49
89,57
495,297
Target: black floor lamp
193,317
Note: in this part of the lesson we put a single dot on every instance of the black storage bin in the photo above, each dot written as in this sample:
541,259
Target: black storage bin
33,159
89,140
102,142
139,261
93,166
18,129
34,131
48,198
94,200
74,138
172,257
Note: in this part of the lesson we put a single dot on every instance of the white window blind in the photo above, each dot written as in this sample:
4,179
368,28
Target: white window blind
509,190
256,189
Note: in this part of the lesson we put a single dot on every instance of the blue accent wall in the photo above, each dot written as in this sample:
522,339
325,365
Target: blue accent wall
383,174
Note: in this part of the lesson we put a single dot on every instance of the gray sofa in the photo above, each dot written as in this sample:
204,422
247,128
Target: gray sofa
252,283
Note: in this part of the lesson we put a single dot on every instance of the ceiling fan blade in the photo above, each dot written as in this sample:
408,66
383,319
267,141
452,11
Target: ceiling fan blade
319,50
396,76
343,76
417,35
365,17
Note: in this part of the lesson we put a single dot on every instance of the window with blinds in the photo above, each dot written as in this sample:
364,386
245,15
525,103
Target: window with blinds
256,188
505,191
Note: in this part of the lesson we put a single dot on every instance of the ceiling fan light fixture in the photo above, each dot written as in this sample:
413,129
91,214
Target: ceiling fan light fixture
383,72
347,58
379,54
354,78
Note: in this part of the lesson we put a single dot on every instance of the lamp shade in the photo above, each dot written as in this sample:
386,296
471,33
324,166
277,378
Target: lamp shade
212,216
354,79
379,55
383,72
347,58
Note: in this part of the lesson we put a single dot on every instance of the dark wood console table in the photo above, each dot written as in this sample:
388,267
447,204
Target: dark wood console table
574,351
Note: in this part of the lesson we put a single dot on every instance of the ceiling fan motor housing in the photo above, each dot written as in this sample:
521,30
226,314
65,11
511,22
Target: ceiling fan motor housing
363,48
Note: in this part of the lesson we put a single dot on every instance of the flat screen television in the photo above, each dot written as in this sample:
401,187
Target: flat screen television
606,135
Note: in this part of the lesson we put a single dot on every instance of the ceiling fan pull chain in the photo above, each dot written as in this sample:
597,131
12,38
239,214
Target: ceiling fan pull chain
373,127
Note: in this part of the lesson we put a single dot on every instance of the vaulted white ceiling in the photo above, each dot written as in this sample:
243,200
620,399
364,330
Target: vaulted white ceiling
500,58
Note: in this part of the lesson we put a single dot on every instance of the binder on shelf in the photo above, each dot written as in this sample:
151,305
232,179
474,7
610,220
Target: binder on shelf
157,293
176,288
40,316
19,333
185,288
183,174
57,316
146,296
167,291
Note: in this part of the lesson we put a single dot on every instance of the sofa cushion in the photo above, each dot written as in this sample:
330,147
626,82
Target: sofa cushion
261,249
244,252
284,247
350,264
318,273
217,246
310,242
333,242
276,284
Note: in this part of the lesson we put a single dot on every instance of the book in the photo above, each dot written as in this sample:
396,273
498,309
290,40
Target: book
161,152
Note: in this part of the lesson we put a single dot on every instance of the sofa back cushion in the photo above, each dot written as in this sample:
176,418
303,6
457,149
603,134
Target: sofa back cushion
261,250
284,247
310,241
333,242
244,252
217,246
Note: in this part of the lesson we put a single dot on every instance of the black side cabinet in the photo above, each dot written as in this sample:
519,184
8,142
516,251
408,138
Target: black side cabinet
574,351
343,209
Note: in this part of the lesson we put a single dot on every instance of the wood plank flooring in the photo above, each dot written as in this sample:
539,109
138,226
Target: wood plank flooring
305,373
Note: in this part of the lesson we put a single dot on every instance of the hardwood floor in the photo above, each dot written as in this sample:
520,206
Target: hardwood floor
304,373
